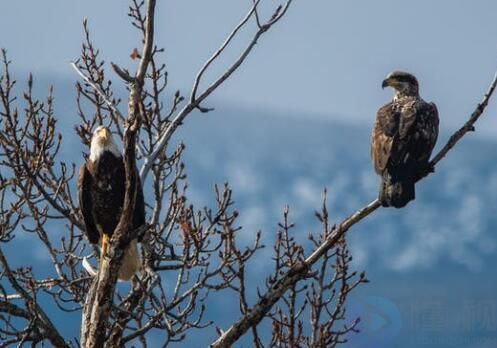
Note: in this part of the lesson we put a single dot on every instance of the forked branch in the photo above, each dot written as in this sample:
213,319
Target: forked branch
195,101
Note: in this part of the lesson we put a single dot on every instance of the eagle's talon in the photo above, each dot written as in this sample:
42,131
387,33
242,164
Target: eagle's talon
107,256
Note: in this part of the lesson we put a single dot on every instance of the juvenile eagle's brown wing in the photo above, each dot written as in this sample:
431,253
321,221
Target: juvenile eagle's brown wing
385,130
424,133
404,133
85,204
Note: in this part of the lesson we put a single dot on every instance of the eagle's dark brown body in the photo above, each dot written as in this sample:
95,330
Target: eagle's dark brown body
102,194
403,138
101,190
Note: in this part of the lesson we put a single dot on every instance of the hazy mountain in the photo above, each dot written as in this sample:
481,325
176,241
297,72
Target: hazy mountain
432,264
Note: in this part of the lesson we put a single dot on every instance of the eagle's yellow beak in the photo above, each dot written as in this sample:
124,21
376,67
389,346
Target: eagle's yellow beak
104,134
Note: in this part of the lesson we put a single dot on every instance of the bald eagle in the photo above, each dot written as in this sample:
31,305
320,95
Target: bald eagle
403,137
101,196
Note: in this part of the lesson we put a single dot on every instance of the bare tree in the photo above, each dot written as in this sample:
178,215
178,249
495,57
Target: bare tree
305,296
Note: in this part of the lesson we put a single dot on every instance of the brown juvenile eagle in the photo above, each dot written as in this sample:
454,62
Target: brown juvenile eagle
404,134
101,196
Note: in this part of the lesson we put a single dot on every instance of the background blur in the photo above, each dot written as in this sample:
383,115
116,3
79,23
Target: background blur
296,118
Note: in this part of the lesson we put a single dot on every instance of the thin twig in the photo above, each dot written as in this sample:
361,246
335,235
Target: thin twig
109,103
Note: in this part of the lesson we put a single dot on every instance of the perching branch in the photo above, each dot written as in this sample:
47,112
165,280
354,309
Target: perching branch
98,305
300,270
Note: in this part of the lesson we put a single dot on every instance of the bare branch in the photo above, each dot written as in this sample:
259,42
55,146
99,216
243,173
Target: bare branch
149,42
37,312
220,50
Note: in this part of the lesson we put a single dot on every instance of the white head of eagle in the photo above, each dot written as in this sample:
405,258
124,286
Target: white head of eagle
101,141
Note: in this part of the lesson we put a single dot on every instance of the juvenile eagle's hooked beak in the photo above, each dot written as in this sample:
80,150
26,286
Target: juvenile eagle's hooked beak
386,83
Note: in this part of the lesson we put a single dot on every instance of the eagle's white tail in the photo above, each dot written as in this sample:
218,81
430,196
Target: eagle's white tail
88,267
131,262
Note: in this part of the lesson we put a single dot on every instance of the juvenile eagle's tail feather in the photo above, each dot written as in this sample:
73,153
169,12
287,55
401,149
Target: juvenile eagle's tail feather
396,191
131,262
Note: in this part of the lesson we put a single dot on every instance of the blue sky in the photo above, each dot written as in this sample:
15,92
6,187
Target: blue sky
323,62
325,59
